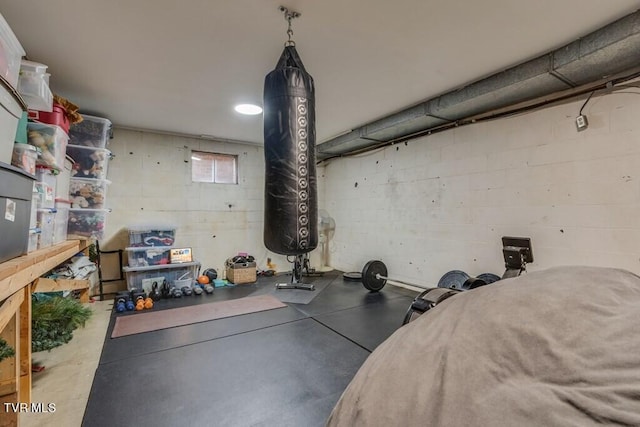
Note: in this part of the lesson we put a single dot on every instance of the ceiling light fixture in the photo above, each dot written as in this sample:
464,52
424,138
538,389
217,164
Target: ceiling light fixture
248,109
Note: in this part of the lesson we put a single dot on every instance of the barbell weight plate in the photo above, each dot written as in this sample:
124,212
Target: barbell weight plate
472,283
370,274
453,279
352,276
489,277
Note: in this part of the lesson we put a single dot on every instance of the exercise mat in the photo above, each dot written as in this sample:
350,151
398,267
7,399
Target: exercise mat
302,296
163,319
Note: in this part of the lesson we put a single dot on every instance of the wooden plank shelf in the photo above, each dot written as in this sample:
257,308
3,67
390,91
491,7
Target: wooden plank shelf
20,277
17,273
44,284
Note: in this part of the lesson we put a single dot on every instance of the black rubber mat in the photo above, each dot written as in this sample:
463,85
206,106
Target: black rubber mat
299,296
368,325
140,344
280,367
342,294
289,374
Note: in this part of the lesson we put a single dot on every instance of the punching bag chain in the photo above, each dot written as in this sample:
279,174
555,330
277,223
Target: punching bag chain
289,15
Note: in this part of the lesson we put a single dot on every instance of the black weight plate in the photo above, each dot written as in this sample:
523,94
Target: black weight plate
369,275
453,279
489,277
352,276
472,283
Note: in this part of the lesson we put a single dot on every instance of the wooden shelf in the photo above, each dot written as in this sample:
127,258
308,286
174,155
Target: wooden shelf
20,277
17,273
44,284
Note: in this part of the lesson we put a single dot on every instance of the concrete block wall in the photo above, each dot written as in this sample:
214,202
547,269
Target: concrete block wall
151,184
444,201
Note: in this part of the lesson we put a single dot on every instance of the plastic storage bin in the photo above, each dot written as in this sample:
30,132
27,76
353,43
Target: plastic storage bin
64,179
89,162
25,157
33,217
86,223
45,223
52,142
151,236
142,257
91,132
11,114
144,277
34,235
21,130
16,191
46,195
57,116
61,221
48,176
33,86
88,193
10,53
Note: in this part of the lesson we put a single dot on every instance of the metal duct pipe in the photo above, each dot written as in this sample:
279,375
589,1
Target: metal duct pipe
608,51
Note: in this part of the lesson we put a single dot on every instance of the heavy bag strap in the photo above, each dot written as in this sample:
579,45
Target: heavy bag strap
289,78
290,59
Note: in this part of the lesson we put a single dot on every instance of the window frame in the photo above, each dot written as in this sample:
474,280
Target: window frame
213,157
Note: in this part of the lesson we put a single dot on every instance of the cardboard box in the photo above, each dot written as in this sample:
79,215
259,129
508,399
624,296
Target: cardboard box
241,275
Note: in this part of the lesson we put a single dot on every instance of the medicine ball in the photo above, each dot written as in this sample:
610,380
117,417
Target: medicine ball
211,273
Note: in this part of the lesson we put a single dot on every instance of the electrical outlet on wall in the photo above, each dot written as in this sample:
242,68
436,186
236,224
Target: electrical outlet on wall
581,122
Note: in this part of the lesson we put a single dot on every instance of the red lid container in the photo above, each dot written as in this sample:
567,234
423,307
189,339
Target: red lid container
57,117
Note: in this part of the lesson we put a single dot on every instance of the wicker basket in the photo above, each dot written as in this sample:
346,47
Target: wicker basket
239,276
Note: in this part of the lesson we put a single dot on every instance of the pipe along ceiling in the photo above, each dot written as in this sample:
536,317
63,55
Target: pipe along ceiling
599,60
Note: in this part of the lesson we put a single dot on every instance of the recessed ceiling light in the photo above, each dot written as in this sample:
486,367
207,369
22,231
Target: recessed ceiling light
248,109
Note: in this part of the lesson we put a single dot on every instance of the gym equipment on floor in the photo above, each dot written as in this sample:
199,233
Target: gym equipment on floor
374,277
291,205
296,276
517,252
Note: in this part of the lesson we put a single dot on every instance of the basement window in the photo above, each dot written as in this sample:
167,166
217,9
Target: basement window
214,167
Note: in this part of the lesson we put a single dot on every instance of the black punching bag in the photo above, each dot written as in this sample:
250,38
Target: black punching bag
291,205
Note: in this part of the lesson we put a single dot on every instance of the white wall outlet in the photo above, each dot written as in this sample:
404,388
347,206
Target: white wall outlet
581,122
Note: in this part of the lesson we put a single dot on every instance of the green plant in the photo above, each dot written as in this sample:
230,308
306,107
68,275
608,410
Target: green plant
93,253
54,320
6,350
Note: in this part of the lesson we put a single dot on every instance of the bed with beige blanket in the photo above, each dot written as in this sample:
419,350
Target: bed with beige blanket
559,347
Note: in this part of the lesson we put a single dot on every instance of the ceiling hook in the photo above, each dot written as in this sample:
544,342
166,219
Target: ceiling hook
289,15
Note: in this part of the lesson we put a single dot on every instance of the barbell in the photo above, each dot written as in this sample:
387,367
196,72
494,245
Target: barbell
375,276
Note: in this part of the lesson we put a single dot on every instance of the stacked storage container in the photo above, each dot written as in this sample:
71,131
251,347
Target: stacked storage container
88,186
12,109
41,151
44,206
150,262
17,168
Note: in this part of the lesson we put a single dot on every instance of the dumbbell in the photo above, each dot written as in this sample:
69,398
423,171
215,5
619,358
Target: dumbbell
123,302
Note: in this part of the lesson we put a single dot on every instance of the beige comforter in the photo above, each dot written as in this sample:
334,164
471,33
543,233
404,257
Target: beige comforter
559,347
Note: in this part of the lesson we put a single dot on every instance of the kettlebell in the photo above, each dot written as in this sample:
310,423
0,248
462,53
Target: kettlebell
120,307
165,290
155,294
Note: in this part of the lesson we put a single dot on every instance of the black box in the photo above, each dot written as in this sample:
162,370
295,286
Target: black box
16,189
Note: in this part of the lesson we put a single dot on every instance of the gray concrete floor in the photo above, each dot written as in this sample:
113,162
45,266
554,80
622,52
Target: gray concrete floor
69,372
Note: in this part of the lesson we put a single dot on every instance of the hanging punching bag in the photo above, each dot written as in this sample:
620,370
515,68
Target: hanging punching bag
291,206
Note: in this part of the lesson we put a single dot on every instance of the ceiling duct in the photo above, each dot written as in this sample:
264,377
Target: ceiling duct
612,49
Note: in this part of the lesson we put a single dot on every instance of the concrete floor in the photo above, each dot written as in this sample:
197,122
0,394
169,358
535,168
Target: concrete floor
69,372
